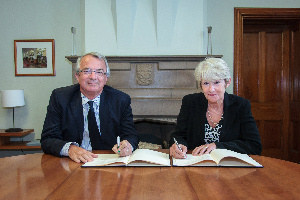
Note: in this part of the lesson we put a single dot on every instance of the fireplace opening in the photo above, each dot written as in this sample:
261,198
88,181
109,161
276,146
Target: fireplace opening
154,134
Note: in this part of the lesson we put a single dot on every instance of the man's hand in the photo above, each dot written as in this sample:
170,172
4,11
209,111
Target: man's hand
125,148
79,154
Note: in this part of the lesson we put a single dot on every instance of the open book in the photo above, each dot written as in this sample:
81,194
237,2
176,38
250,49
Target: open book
140,157
218,157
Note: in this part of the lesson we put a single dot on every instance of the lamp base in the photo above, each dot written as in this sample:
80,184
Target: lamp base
14,130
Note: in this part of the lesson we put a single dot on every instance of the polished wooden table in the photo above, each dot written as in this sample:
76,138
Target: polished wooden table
42,176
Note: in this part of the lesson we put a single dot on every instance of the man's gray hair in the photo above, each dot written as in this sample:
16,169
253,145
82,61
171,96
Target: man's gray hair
96,55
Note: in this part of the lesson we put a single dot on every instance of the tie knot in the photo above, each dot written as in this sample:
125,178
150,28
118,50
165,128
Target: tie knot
91,104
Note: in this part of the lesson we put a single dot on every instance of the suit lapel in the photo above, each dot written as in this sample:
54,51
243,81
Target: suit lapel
77,112
200,115
103,110
202,106
227,117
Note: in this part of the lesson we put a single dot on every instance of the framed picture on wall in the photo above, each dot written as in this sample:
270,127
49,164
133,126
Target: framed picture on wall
34,57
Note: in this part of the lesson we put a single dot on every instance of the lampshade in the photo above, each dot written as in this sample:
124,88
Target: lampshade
12,98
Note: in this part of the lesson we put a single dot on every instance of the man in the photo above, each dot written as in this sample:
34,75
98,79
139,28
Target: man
89,115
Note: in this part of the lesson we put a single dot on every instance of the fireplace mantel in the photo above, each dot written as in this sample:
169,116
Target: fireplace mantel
166,58
156,84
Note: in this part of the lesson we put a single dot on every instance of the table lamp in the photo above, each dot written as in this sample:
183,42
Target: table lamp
12,99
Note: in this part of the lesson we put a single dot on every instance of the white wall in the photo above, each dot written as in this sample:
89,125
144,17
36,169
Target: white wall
144,27
35,19
127,27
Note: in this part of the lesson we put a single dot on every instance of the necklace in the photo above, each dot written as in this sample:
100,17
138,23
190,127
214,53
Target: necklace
211,120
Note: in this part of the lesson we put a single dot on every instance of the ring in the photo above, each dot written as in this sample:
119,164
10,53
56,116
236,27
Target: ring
206,147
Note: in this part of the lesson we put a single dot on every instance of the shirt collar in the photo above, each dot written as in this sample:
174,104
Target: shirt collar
85,99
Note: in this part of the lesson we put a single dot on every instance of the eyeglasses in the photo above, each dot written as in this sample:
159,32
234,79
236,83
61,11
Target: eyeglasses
215,83
88,71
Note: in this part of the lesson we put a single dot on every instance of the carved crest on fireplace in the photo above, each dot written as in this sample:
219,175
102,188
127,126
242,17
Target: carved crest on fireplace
144,74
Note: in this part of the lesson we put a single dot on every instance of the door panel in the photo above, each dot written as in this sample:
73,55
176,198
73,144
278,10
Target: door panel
294,136
272,139
250,67
274,64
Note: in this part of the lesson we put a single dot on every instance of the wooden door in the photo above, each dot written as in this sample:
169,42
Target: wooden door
267,73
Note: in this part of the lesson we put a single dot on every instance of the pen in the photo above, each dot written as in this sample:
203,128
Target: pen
118,143
178,146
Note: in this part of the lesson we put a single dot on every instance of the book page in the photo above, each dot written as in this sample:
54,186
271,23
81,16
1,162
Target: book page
150,156
190,160
225,157
107,160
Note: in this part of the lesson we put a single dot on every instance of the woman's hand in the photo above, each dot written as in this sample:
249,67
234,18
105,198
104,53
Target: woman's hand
204,149
176,153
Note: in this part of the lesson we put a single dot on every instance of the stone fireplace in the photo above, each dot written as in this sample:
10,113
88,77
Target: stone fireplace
156,85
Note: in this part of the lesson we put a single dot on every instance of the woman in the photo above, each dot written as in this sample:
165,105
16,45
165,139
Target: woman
214,119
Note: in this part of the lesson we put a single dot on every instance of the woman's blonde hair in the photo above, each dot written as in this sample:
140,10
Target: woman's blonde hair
212,69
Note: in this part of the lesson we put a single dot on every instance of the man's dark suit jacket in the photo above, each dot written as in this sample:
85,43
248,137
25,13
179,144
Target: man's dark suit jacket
64,119
239,132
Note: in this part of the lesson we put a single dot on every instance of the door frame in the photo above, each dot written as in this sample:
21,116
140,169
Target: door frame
253,13
241,15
